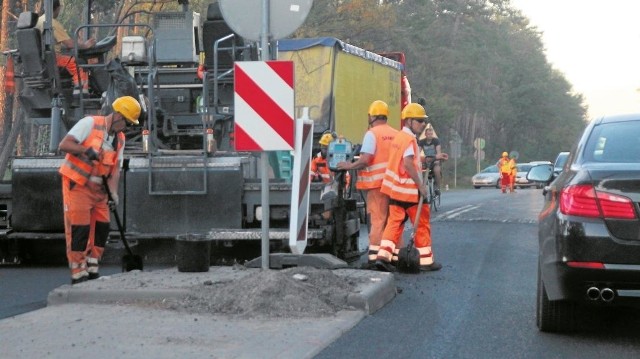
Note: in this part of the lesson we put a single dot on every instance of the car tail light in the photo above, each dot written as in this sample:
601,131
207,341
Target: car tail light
614,206
590,265
585,201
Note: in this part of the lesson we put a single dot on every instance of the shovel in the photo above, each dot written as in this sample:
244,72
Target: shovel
408,256
130,261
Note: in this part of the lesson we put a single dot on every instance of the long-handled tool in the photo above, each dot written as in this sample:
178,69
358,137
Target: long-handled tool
408,256
130,261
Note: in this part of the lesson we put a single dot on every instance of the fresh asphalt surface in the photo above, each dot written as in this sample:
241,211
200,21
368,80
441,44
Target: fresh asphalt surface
481,305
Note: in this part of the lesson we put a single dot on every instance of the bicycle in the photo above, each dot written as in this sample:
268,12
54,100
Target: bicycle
433,198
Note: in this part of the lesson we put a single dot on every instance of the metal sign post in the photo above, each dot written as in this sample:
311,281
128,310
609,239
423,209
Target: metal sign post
264,56
290,15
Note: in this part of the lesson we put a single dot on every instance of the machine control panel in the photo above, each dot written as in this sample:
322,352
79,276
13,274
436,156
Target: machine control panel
339,150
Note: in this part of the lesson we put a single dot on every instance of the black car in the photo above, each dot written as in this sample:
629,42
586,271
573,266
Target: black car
559,162
589,230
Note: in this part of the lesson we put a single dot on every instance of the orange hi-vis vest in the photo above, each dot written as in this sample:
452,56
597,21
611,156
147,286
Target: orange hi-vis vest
320,167
397,183
504,165
371,176
80,170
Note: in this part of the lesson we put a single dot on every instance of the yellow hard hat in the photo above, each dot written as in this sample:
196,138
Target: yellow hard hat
325,139
413,110
128,107
504,154
378,108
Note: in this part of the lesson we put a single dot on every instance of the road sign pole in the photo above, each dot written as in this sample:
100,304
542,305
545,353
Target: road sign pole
264,56
257,27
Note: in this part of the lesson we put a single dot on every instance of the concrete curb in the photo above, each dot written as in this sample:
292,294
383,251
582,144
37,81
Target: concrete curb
373,289
374,297
68,294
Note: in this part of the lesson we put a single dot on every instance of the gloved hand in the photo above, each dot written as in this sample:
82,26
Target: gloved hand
91,154
113,203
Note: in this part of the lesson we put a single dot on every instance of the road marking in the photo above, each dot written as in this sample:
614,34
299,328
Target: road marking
456,212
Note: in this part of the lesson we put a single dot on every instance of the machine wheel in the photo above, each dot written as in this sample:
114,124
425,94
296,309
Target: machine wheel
554,316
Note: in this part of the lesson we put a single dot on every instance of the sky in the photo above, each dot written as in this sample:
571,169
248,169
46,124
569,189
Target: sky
596,44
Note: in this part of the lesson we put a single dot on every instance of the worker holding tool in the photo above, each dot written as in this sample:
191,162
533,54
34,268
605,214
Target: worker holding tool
372,164
319,171
403,184
94,150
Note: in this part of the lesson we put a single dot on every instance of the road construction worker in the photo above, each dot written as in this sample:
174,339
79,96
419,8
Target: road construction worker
94,151
371,164
403,184
513,174
63,47
504,167
319,171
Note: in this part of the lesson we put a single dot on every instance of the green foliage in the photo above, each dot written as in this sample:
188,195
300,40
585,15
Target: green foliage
479,64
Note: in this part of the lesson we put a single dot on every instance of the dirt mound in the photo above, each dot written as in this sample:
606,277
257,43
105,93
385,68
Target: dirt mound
289,293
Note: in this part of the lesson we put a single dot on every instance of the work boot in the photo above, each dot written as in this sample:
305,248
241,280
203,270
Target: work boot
435,266
93,276
79,280
76,92
385,266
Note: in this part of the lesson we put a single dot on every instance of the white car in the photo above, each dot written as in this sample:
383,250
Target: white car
521,176
488,177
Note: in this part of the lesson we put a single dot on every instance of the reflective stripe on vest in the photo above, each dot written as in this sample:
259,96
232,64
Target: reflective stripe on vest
371,176
397,183
80,170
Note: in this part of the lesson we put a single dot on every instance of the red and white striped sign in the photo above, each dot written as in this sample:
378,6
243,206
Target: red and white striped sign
299,225
264,105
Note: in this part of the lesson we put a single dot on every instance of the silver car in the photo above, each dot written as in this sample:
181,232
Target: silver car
488,177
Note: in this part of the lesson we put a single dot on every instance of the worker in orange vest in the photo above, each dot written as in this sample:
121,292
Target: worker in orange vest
504,167
371,164
94,150
64,45
403,184
319,171
513,174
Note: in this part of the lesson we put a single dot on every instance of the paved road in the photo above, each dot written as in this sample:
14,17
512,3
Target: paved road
482,304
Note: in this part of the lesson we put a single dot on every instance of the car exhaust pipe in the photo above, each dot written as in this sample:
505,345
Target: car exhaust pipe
593,293
607,294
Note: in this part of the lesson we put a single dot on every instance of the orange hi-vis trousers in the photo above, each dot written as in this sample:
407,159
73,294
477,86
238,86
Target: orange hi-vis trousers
69,63
378,208
86,227
389,246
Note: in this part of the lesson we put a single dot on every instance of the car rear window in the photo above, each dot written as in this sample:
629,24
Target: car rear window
524,168
614,142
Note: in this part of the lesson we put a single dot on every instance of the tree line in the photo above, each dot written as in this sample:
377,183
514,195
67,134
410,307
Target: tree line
480,65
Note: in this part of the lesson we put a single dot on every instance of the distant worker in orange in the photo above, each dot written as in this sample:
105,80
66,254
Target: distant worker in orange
371,164
504,167
94,151
319,171
63,47
513,174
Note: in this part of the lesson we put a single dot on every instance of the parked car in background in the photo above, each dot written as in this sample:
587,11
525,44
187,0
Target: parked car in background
559,162
589,227
521,176
488,177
